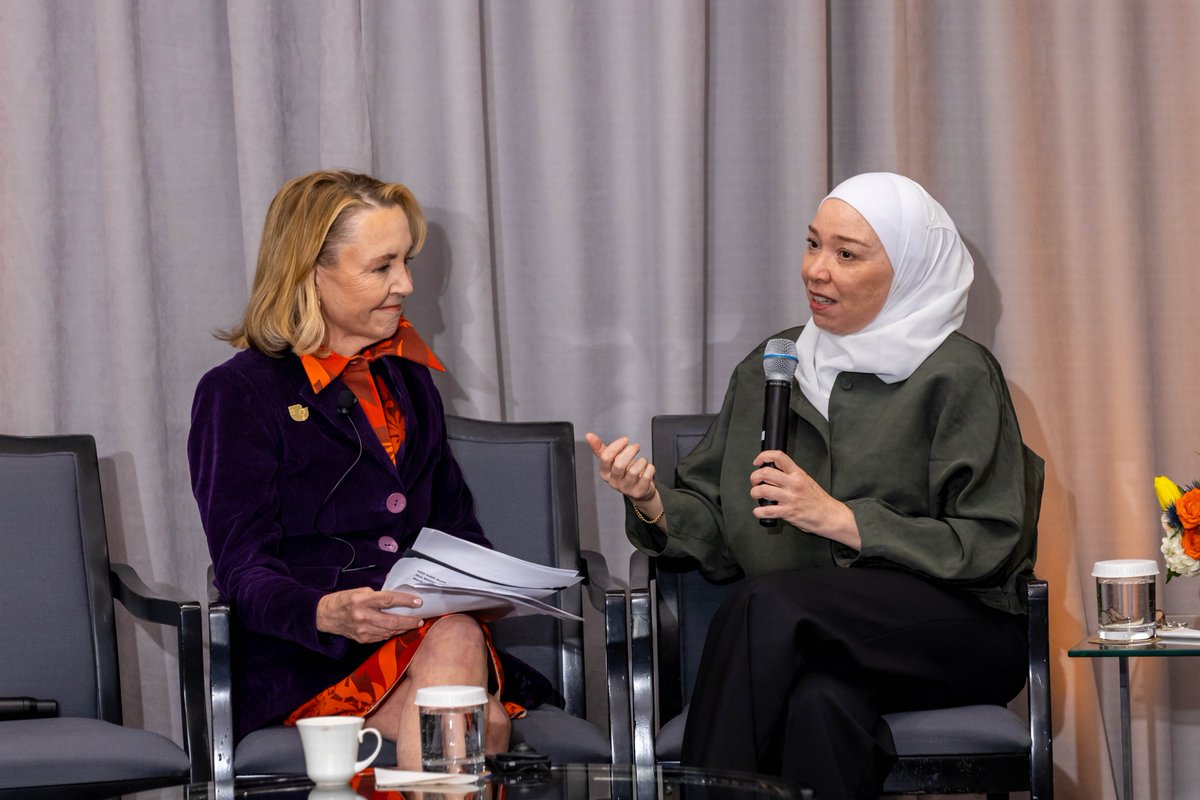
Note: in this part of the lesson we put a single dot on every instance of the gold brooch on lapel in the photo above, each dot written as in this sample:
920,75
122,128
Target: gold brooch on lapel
298,412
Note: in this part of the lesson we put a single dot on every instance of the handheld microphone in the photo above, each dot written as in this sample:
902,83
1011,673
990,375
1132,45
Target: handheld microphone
779,366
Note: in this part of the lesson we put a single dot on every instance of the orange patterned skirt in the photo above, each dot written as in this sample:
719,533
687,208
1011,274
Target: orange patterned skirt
361,692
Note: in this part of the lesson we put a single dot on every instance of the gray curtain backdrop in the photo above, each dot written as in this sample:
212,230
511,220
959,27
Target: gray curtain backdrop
618,192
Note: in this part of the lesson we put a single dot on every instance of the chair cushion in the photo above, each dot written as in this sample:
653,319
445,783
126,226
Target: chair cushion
565,738
962,730
66,750
277,751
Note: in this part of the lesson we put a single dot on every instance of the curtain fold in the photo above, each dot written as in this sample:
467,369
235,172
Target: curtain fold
618,196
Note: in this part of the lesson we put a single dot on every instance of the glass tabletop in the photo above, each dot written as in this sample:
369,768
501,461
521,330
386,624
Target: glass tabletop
1152,647
566,782
1161,645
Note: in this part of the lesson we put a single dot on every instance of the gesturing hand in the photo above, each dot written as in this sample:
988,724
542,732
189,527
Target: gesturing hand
358,614
800,500
621,468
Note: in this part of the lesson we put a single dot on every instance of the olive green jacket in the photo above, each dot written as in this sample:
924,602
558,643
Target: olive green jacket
933,468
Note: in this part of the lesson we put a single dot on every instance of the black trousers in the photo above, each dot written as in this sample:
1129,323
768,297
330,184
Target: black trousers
799,666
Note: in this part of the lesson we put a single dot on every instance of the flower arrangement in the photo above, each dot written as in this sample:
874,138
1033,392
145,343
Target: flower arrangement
1181,526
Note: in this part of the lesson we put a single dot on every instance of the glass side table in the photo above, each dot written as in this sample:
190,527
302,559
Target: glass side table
1158,647
561,782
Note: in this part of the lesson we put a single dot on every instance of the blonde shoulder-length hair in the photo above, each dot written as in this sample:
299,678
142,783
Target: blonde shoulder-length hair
307,224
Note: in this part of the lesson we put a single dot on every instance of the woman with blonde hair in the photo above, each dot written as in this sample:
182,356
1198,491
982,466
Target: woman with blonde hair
317,454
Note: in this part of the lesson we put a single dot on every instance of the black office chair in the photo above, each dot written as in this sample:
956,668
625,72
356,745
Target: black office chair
57,588
522,476
972,749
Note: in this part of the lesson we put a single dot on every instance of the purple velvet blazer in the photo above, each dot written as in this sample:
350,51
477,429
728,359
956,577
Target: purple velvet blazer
266,454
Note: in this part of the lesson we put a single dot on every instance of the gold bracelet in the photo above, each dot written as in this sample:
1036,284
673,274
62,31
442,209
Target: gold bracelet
637,512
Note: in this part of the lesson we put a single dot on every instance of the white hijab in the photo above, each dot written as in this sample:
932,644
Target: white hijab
931,274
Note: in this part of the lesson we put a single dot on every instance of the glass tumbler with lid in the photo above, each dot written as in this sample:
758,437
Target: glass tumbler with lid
452,722
1125,599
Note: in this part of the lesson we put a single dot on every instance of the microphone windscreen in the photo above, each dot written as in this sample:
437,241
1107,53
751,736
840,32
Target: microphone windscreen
346,401
780,360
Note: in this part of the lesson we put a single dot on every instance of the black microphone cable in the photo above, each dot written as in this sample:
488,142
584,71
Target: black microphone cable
345,404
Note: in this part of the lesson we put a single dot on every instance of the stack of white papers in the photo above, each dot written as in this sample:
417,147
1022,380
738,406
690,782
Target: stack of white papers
452,575
1180,633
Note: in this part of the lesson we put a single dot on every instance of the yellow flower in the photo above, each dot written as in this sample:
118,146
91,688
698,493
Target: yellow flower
1167,491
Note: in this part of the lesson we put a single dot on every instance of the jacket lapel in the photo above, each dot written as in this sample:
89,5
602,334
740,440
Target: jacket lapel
326,404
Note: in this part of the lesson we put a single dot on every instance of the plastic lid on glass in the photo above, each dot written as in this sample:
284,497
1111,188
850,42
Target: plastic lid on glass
1125,568
450,696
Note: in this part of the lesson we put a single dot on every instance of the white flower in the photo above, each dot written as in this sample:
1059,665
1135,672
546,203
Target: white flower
1177,561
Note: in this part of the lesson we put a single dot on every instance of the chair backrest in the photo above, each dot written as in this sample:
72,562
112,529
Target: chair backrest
57,627
522,476
686,601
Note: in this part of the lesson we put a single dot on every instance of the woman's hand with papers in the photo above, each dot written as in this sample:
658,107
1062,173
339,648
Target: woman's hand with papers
359,614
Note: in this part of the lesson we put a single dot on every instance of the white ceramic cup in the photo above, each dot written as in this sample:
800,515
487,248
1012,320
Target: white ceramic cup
331,747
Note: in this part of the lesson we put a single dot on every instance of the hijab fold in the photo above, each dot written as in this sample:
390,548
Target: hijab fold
931,275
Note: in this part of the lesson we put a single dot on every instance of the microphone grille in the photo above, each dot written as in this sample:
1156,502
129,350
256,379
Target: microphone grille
780,359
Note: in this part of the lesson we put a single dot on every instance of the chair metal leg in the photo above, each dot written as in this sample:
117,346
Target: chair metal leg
192,690
616,641
1126,734
641,661
220,680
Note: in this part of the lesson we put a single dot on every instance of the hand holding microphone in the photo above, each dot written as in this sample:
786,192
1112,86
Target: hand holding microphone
779,366
807,505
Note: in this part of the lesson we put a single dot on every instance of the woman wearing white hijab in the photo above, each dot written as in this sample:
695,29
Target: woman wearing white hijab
908,499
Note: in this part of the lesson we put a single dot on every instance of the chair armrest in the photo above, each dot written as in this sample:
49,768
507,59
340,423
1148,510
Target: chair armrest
184,615
214,596
144,602
616,657
639,570
596,578
613,602
1041,766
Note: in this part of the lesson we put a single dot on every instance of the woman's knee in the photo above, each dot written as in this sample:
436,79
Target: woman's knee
455,642
457,631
